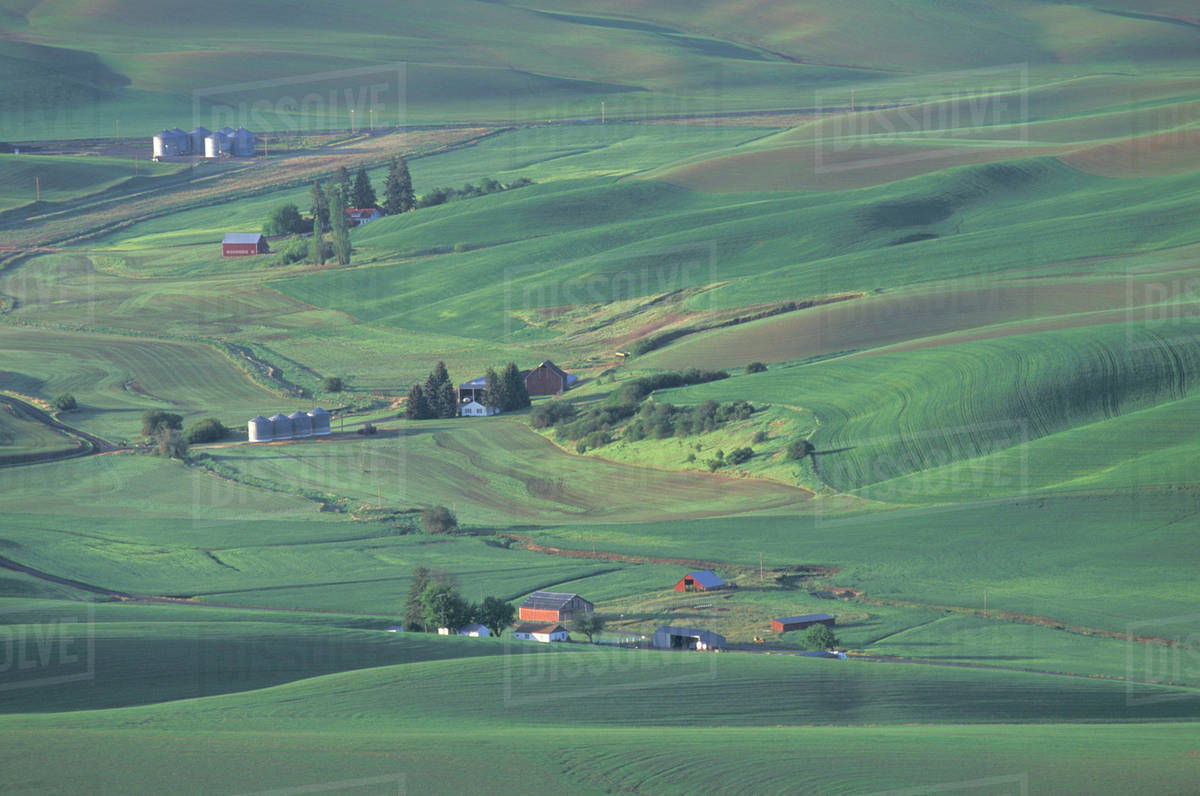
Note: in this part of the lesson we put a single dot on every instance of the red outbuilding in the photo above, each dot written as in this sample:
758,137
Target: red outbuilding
789,623
704,580
553,606
244,244
547,379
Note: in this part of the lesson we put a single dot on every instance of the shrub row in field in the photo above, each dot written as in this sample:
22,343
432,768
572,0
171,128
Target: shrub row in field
595,427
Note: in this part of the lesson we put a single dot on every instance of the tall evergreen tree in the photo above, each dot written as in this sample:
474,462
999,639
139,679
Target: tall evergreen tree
320,205
341,183
341,228
417,407
439,392
316,246
492,394
515,391
414,608
398,190
363,194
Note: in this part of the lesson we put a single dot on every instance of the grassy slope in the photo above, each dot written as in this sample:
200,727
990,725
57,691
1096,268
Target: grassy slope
1065,557
889,414
1119,556
115,378
611,709
578,242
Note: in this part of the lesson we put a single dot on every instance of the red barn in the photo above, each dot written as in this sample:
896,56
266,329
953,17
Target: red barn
703,580
244,244
547,379
789,623
553,606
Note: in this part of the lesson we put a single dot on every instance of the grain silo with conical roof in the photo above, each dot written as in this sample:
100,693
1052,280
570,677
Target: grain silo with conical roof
216,145
281,426
196,139
259,429
301,424
241,142
320,422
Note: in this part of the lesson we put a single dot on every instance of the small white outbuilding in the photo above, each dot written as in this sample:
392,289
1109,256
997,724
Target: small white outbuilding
476,409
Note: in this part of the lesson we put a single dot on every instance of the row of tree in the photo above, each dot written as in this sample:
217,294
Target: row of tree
436,399
433,602
397,190
505,391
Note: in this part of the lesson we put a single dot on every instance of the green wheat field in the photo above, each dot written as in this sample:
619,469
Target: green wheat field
958,241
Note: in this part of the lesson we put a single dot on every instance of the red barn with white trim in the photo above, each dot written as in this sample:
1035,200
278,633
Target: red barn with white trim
244,244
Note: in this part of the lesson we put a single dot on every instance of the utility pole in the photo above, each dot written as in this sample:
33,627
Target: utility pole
135,165
760,568
851,99
601,111
37,182
985,602
351,121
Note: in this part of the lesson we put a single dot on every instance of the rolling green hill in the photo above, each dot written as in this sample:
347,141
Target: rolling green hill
975,295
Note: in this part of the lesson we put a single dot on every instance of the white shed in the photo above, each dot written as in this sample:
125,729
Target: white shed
474,630
476,409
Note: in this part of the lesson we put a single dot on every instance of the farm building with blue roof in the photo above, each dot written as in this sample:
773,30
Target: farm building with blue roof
704,580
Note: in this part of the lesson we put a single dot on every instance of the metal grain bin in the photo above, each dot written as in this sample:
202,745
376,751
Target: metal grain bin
281,426
320,421
196,139
301,424
259,429
216,145
160,143
242,142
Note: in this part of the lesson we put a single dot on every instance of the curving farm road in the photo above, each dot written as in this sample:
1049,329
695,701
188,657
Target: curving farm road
93,444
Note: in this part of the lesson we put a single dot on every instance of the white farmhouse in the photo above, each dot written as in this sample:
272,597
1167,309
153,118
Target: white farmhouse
533,631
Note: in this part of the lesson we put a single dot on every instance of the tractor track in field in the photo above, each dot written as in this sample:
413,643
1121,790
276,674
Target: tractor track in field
527,543
14,566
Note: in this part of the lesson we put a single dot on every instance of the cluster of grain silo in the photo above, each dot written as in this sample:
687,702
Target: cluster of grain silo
297,424
226,141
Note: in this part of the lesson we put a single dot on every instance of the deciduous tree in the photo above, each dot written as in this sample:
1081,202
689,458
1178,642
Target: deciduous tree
495,614
284,220
341,229
438,519
445,607
320,207
589,624
819,637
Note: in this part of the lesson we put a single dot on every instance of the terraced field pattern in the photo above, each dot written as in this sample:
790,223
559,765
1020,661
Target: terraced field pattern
947,253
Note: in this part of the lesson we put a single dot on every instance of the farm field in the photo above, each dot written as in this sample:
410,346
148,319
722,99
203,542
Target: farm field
499,475
947,253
